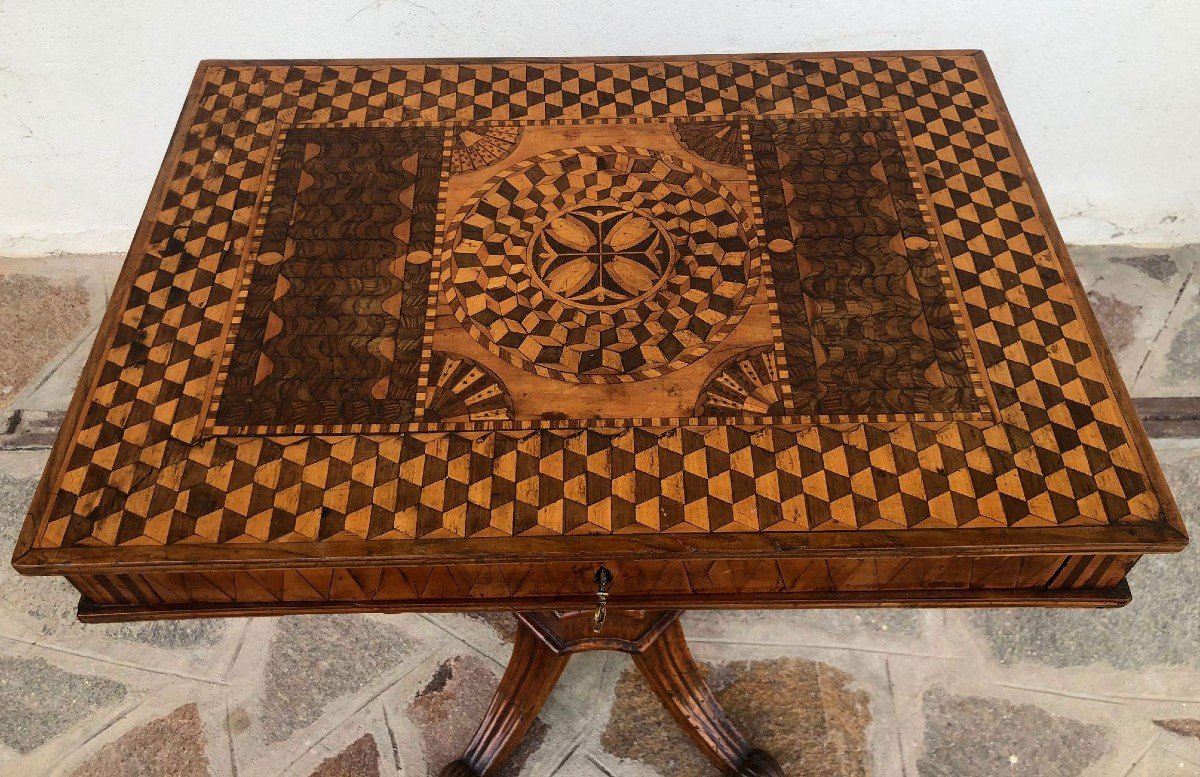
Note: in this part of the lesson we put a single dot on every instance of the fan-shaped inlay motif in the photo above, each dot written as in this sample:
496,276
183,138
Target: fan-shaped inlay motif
461,390
747,384
717,141
476,146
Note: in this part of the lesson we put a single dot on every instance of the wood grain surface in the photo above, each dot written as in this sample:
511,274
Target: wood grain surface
391,318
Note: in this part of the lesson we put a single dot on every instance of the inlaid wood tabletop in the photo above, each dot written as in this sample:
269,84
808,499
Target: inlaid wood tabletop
778,330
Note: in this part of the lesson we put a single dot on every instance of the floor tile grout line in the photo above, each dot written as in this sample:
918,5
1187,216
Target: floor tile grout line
385,687
387,723
227,727
576,743
120,714
887,668
1151,699
1065,694
84,340
1145,751
1112,698
111,662
80,342
1166,320
1168,748
593,717
596,762
442,627
814,646
237,651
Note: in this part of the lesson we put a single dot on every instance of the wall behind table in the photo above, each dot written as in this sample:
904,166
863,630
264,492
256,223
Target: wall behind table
1105,93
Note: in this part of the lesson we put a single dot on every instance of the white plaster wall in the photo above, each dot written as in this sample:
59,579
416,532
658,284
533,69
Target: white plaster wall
1106,94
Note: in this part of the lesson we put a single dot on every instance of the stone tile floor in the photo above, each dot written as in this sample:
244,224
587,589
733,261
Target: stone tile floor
934,693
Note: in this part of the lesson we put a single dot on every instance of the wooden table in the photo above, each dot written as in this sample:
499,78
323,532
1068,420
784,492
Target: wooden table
782,331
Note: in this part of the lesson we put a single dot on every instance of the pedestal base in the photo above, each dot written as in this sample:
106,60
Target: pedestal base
655,638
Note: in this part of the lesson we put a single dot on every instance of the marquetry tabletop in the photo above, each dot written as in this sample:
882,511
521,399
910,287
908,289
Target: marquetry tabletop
768,330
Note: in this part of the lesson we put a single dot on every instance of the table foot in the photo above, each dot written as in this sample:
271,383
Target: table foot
759,764
458,769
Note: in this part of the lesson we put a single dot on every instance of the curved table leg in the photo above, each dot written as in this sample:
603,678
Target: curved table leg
668,666
527,682
545,641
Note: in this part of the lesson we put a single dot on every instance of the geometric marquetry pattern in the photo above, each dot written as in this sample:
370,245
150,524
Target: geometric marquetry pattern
688,304
533,483
137,469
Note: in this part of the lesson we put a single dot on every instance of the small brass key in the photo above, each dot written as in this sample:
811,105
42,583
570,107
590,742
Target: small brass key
604,580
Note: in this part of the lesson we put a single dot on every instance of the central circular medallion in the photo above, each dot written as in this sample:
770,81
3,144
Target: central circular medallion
600,255
600,264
